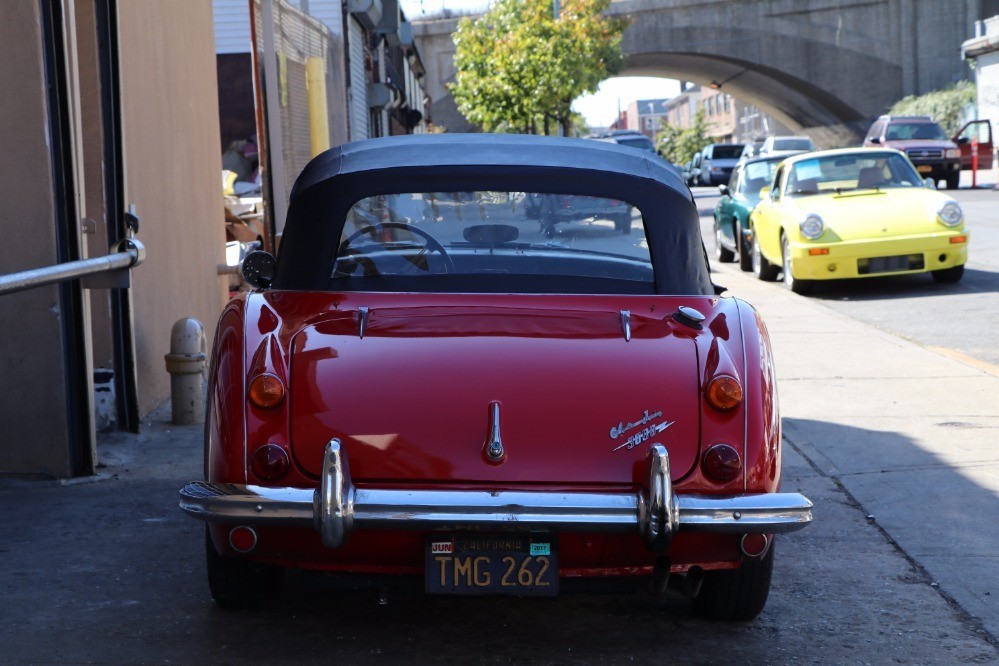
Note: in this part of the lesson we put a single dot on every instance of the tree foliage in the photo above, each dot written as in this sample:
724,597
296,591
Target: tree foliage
518,68
679,145
948,107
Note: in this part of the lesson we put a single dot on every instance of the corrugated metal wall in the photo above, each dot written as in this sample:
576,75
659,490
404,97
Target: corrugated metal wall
232,26
297,39
358,82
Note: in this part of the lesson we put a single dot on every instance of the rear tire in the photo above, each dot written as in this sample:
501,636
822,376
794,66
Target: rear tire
802,287
237,583
721,253
745,254
953,181
762,268
949,275
736,594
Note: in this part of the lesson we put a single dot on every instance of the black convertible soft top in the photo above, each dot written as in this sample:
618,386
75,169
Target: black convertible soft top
336,179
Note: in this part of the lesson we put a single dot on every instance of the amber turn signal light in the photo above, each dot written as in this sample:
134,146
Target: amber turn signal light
724,393
722,463
954,240
270,462
266,391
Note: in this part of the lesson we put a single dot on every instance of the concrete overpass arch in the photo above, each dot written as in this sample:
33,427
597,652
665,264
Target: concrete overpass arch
822,67
798,104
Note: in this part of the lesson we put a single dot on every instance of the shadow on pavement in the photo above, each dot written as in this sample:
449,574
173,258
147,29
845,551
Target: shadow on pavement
905,286
930,507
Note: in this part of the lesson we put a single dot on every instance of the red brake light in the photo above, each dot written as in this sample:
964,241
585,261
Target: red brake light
722,463
270,462
724,393
266,391
243,539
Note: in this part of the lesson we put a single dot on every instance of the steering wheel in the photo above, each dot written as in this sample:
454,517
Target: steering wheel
433,245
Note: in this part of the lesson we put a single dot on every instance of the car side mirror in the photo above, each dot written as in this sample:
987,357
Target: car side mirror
929,183
764,192
961,140
258,269
725,192
874,139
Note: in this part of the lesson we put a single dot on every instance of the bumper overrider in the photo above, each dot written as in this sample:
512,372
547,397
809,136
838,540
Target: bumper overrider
337,507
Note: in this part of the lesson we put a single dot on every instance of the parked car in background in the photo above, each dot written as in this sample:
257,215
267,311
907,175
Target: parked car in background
452,396
630,138
752,149
931,151
717,162
731,216
855,213
786,145
694,172
562,209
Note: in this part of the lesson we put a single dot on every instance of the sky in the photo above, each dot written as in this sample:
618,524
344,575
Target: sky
600,109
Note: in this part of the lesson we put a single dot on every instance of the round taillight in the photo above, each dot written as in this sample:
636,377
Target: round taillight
270,462
266,391
754,546
243,539
722,463
724,393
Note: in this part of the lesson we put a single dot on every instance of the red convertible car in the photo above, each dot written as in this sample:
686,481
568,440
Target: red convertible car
423,384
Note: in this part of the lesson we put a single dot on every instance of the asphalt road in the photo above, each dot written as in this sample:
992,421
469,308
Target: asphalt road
111,572
961,319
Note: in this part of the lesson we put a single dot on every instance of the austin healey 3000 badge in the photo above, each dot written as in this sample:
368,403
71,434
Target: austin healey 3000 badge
642,435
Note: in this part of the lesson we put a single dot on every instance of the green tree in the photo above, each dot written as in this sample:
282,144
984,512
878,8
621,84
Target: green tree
518,68
948,106
679,145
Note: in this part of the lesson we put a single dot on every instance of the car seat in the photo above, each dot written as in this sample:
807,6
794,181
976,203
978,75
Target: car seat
870,177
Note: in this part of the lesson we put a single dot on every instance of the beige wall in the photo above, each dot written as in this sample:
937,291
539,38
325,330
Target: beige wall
173,169
33,410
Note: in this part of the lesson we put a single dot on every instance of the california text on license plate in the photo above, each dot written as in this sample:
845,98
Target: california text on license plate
519,565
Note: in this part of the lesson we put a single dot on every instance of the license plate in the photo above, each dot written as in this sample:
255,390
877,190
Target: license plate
524,565
924,168
904,262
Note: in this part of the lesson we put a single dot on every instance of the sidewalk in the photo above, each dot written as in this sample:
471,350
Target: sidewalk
909,433
983,179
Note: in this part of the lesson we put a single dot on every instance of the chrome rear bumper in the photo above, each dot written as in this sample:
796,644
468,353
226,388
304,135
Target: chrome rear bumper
337,507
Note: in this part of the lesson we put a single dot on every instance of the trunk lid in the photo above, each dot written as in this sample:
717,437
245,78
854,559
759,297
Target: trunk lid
411,399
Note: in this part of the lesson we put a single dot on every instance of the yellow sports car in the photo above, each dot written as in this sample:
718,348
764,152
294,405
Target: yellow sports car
851,213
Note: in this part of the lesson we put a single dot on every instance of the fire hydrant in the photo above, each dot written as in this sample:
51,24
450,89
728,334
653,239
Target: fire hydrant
186,364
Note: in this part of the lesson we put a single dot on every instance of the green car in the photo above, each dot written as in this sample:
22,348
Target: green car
738,199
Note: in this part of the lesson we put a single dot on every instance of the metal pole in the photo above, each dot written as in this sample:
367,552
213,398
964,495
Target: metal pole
39,277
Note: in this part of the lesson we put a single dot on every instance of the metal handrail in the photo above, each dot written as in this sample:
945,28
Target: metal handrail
125,254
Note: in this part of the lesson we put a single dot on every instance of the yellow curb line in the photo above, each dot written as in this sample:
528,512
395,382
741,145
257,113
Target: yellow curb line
984,366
